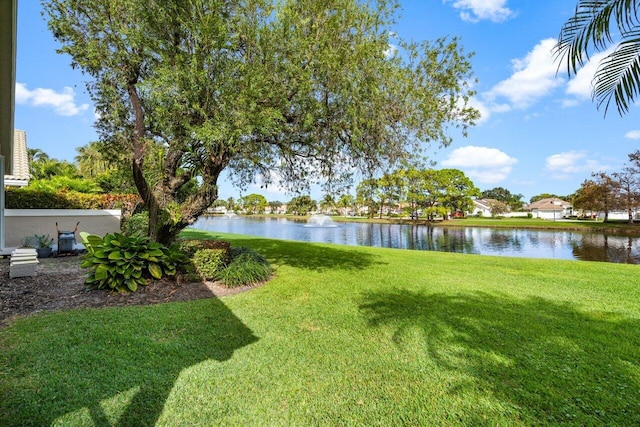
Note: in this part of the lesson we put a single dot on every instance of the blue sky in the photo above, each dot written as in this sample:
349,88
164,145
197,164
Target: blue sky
540,132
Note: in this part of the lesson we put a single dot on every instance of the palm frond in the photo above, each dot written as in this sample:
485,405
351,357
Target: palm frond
618,75
596,25
590,28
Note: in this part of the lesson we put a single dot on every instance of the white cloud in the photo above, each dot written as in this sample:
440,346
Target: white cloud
581,86
482,164
391,51
478,10
572,162
568,103
534,77
632,134
63,102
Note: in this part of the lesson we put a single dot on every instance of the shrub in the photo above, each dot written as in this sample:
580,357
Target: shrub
247,267
135,225
191,246
30,198
209,262
123,263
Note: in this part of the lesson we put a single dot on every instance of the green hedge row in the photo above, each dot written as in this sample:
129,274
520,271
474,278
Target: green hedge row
26,198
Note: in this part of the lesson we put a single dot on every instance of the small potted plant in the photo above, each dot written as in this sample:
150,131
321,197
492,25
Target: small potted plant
43,245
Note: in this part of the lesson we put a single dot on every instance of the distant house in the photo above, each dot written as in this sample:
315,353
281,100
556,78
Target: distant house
620,215
482,207
551,208
20,160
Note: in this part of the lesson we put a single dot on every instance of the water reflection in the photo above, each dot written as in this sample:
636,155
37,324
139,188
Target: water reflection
468,240
601,247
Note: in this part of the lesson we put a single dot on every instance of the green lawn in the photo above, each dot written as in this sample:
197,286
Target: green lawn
345,336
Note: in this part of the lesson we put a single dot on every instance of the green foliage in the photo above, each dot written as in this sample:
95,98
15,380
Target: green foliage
30,198
247,267
136,224
116,180
196,270
209,262
301,205
43,167
301,87
38,241
123,263
253,204
27,198
58,183
191,246
503,195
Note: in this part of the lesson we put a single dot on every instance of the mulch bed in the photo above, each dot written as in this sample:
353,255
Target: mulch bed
59,285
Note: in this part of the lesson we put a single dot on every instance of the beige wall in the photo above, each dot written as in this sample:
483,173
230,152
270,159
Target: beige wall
22,223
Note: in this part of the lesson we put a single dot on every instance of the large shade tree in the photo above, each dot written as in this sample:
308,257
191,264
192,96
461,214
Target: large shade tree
599,194
513,201
596,26
297,91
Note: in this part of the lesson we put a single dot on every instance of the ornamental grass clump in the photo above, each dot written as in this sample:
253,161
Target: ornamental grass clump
123,263
247,267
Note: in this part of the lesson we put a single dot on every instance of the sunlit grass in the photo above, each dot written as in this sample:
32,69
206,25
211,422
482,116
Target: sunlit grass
345,336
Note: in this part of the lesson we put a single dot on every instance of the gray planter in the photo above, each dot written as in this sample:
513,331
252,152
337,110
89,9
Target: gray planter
44,252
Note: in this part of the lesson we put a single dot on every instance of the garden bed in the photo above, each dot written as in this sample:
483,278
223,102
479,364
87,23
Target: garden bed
59,285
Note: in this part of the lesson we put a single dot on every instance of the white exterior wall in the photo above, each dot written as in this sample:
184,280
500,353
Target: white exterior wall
549,214
618,215
22,223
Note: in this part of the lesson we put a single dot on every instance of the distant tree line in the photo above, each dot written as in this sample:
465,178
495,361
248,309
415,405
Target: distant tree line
616,191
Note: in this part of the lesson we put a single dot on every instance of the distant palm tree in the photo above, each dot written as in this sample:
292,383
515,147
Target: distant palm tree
590,30
36,155
90,160
327,204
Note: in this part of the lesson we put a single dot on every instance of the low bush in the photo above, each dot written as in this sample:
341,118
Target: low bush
191,246
247,267
209,262
123,263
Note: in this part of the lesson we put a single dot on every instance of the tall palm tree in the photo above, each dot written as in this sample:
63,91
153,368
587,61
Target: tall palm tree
595,26
90,160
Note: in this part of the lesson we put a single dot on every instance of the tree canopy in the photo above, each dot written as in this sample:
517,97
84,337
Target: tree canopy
293,92
514,201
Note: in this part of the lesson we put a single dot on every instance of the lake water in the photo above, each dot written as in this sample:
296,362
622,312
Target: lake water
569,245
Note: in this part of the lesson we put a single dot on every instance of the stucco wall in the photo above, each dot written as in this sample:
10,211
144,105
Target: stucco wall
22,223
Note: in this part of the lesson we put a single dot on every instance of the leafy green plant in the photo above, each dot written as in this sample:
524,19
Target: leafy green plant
136,224
191,246
247,267
123,263
38,241
209,262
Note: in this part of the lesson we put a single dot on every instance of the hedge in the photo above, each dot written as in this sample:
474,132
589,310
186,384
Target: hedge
26,198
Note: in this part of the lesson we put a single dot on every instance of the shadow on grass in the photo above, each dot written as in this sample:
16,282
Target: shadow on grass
551,362
308,256
105,368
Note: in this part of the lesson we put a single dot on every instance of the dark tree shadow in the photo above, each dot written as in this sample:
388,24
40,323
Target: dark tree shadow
104,355
553,362
308,256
